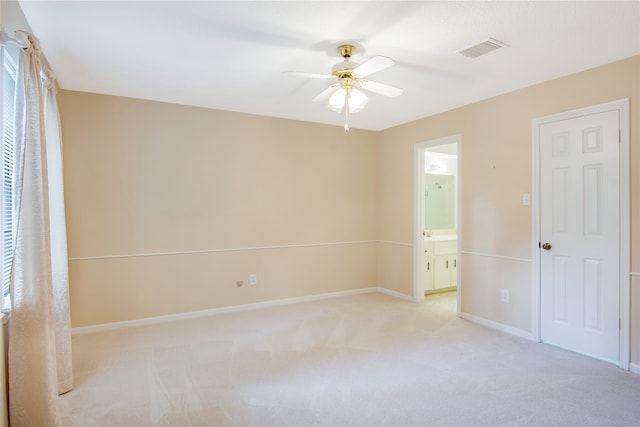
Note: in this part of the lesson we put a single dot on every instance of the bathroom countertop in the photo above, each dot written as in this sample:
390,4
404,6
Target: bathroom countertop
441,238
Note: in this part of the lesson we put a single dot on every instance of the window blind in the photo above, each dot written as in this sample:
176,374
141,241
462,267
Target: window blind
8,138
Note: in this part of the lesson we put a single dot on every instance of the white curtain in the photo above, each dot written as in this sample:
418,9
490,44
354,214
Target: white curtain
40,339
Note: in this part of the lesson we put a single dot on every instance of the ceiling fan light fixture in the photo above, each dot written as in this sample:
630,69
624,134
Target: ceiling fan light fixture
356,100
336,102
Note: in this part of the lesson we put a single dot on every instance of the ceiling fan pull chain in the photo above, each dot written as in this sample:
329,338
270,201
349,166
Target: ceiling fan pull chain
346,112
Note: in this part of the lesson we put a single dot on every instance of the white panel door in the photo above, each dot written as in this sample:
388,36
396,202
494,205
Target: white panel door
580,234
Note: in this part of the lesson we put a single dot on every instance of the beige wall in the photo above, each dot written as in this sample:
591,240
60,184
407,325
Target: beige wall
496,171
168,206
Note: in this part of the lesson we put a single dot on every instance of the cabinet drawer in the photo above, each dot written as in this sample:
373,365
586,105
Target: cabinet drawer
441,248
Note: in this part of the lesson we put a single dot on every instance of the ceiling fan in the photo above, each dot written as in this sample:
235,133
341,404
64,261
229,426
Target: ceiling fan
349,77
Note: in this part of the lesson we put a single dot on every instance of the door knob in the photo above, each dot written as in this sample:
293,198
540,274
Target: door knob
546,246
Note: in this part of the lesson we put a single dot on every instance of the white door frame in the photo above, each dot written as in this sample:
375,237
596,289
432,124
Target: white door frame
418,215
622,106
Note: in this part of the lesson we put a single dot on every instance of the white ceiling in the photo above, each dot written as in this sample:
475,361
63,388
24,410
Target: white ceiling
232,55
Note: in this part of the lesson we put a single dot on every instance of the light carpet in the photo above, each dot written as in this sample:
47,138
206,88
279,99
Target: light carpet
364,360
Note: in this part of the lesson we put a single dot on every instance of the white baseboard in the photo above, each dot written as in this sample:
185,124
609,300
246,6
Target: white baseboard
244,307
213,311
498,326
635,368
395,294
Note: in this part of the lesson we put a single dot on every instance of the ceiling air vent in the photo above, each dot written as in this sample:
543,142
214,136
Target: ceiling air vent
484,47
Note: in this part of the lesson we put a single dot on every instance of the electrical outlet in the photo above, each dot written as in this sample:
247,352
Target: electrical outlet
253,279
504,296
526,199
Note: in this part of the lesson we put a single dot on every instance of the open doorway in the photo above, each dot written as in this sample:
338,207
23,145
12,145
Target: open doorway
437,219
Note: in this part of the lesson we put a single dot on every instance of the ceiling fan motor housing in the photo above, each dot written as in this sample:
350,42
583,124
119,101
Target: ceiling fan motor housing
344,70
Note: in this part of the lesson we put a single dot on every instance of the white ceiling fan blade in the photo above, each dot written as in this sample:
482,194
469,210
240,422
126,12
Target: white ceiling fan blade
311,75
325,94
380,88
373,65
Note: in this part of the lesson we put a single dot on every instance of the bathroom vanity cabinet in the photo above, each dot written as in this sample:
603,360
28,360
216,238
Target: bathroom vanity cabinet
441,264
